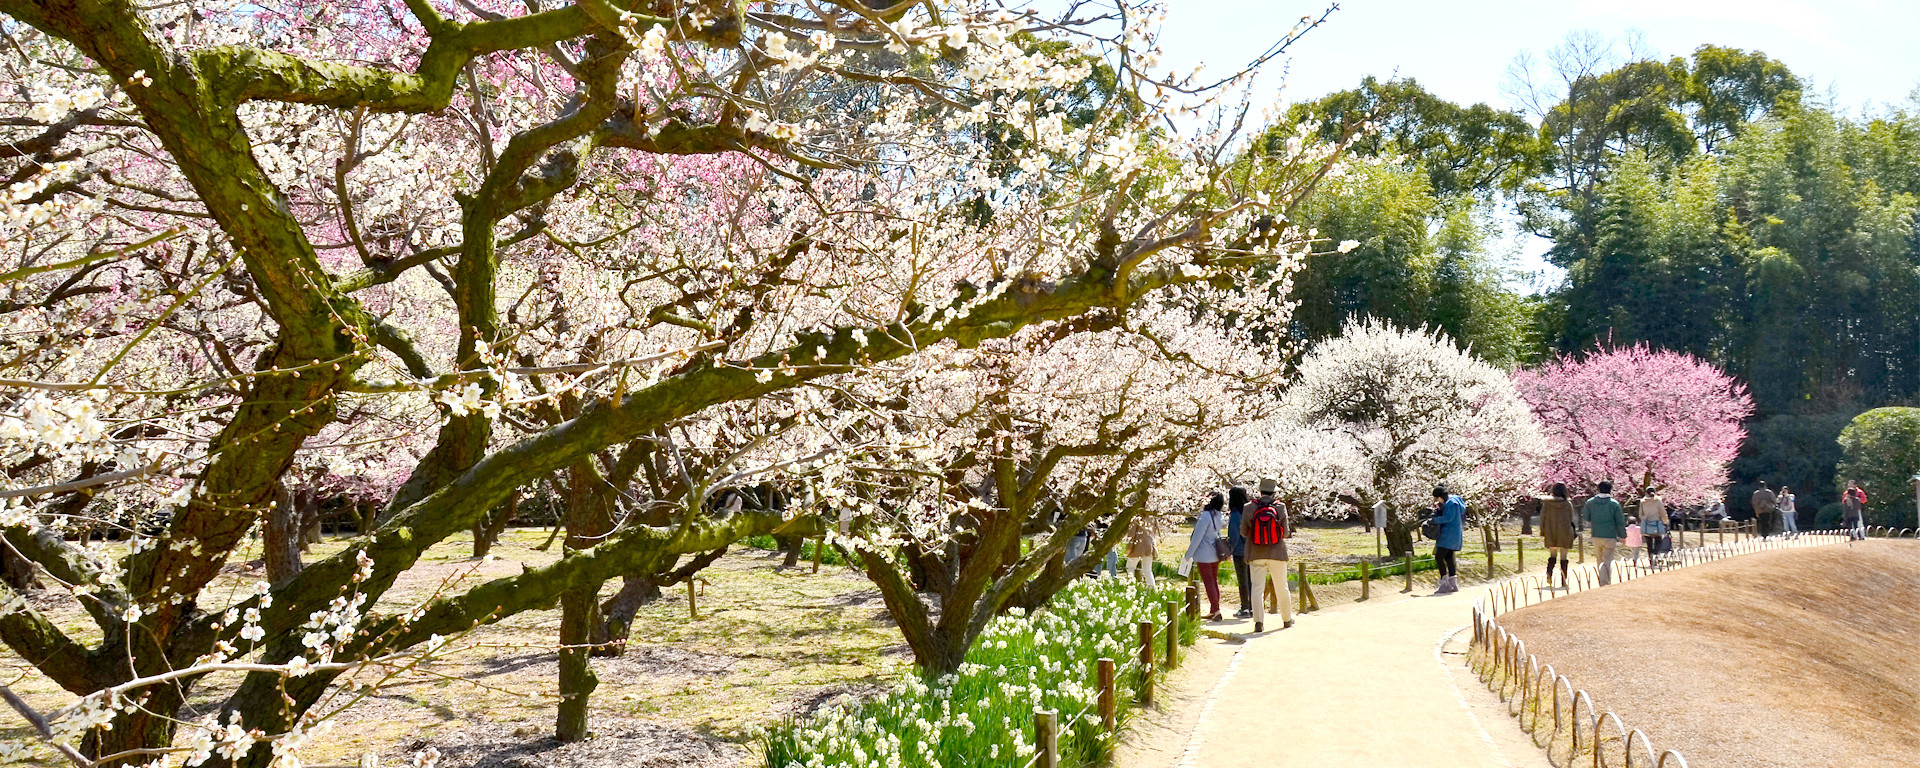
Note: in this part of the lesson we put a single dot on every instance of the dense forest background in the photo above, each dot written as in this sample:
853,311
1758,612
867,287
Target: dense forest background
1708,204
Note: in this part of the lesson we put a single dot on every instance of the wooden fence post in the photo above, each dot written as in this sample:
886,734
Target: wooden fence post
1193,600
693,612
1173,634
1105,667
1046,739
818,545
1409,563
1301,569
1520,554
1146,663
1487,542
1366,581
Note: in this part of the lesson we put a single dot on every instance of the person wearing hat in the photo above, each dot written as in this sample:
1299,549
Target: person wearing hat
1264,528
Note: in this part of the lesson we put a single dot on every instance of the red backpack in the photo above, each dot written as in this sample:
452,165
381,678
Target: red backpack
1269,524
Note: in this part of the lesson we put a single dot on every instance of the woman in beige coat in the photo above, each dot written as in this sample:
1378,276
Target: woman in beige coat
1141,534
1557,530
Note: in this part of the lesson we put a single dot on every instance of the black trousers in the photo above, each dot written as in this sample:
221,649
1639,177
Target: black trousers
1449,565
1243,577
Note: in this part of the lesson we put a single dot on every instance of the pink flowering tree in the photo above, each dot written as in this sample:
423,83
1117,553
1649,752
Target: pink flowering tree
1644,418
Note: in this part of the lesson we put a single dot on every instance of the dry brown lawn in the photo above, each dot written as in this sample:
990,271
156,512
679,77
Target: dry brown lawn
768,644
1802,658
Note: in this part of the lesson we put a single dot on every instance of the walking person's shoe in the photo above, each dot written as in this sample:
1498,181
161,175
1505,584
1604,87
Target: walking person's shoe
1215,616
1287,625
1243,613
1259,627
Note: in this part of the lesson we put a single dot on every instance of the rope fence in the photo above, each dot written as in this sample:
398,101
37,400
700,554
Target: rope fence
1533,690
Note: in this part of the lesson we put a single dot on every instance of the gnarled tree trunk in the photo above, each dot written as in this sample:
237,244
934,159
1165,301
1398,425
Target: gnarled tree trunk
1399,536
487,528
281,538
589,518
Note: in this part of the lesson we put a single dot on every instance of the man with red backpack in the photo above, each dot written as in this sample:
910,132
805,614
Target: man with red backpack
1264,527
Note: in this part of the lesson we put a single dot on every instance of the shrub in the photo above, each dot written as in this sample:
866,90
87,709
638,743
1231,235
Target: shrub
828,556
982,715
1882,451
1828,518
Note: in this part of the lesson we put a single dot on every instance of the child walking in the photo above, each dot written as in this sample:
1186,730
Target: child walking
1636,542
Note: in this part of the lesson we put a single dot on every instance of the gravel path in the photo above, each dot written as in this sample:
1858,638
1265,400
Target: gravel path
1366,684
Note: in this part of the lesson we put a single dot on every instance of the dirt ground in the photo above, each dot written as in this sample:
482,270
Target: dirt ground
1803,658
767,644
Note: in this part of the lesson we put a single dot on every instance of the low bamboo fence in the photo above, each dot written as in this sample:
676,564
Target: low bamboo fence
1561,718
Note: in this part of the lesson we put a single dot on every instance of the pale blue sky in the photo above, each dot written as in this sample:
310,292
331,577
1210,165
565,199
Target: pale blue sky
1862,52
1864,49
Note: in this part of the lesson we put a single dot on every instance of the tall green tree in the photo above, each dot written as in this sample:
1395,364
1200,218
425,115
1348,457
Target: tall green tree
1882,449
1463,150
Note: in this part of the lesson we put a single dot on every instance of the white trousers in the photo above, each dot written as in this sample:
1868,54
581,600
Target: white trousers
1145,569
1261,570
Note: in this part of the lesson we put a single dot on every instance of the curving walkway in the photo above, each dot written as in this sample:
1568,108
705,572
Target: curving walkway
1358,685
1363,686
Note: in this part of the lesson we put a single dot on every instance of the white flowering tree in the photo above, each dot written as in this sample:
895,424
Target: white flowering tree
1316,469
1418,412
247,238
1014,446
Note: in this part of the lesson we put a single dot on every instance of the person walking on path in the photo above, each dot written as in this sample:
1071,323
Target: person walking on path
1236,510
1653,525
1635,542
1141,533
1853,509
1557,529
1264,528
1451,513
1609,525
1764,510
1789,513
1096,532
1205,548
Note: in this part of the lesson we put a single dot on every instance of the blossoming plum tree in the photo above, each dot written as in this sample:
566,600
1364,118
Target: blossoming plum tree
1042,435
1644,418
245,238
1420,412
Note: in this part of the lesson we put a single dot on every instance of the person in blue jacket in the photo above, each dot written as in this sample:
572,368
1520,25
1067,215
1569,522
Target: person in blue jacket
1451,513
1242,571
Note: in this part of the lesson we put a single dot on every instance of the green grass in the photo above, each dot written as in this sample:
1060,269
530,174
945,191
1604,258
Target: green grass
983,714
829,556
